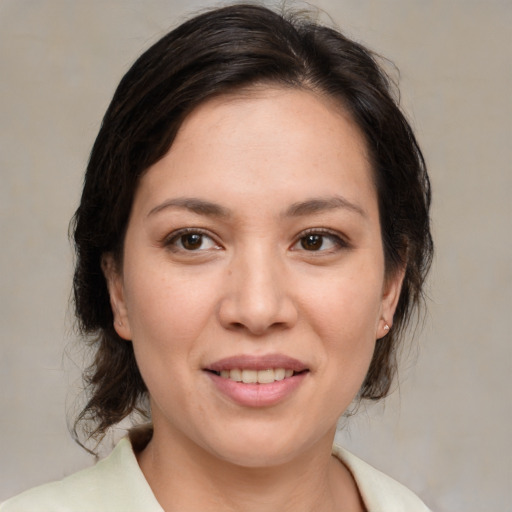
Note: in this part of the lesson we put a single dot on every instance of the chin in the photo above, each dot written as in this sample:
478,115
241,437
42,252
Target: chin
257,456
258,448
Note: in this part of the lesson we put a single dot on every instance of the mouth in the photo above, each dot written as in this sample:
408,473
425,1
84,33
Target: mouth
252,376
257,380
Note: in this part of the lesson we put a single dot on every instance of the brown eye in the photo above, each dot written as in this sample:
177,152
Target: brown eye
312,242
191,241
321,241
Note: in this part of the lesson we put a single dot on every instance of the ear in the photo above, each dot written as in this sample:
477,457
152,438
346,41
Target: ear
115,287
390,296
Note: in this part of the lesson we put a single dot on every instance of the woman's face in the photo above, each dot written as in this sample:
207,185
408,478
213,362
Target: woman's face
253,283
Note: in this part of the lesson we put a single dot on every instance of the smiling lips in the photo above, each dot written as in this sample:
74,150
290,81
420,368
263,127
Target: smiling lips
257,381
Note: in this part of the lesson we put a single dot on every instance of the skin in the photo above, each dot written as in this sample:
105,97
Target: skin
274,163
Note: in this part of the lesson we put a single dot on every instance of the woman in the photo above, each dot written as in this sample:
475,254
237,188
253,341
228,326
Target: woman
252,238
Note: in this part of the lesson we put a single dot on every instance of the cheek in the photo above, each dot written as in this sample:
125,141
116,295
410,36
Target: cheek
167,315
344,315
167,311
346,304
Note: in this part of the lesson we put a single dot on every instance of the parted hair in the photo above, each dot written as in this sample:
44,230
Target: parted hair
217,52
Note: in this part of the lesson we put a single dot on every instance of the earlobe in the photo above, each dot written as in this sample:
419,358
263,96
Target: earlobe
115,287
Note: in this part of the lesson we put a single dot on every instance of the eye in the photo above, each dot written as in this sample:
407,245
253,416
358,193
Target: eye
191,240
319,241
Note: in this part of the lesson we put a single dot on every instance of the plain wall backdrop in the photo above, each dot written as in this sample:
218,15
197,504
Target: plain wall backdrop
445,431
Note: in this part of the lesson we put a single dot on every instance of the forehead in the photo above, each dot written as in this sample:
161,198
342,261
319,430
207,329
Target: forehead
264,141
260,111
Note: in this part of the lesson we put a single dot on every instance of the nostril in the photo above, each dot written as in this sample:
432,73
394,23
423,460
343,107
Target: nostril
254,313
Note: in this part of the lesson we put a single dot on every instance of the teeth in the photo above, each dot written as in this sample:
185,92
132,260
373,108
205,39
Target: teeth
249,376
256,376
266,376
235,375
279,373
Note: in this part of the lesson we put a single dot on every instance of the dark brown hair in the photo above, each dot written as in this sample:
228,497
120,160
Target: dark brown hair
214,53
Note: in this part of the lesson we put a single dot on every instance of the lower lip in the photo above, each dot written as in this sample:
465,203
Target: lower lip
257,395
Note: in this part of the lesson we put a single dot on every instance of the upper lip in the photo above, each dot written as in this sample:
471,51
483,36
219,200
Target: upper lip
257,362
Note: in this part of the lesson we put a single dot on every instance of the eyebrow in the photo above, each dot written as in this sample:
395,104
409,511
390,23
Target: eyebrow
199,206
321,204
309,207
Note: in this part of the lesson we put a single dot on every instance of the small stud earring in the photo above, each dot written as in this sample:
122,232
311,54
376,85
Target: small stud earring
386,327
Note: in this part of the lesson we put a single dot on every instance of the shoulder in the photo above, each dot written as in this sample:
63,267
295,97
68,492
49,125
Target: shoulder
380,492
115,483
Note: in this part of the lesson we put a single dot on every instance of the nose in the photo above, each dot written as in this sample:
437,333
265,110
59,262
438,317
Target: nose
257,297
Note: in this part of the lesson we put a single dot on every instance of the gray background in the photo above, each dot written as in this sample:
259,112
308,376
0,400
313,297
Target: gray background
445,431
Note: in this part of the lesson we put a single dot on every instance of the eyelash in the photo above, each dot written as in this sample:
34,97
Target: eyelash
171,240
338,241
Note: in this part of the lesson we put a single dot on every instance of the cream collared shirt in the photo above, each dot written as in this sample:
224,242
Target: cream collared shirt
117,484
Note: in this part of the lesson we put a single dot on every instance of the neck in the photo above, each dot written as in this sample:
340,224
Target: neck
185,477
